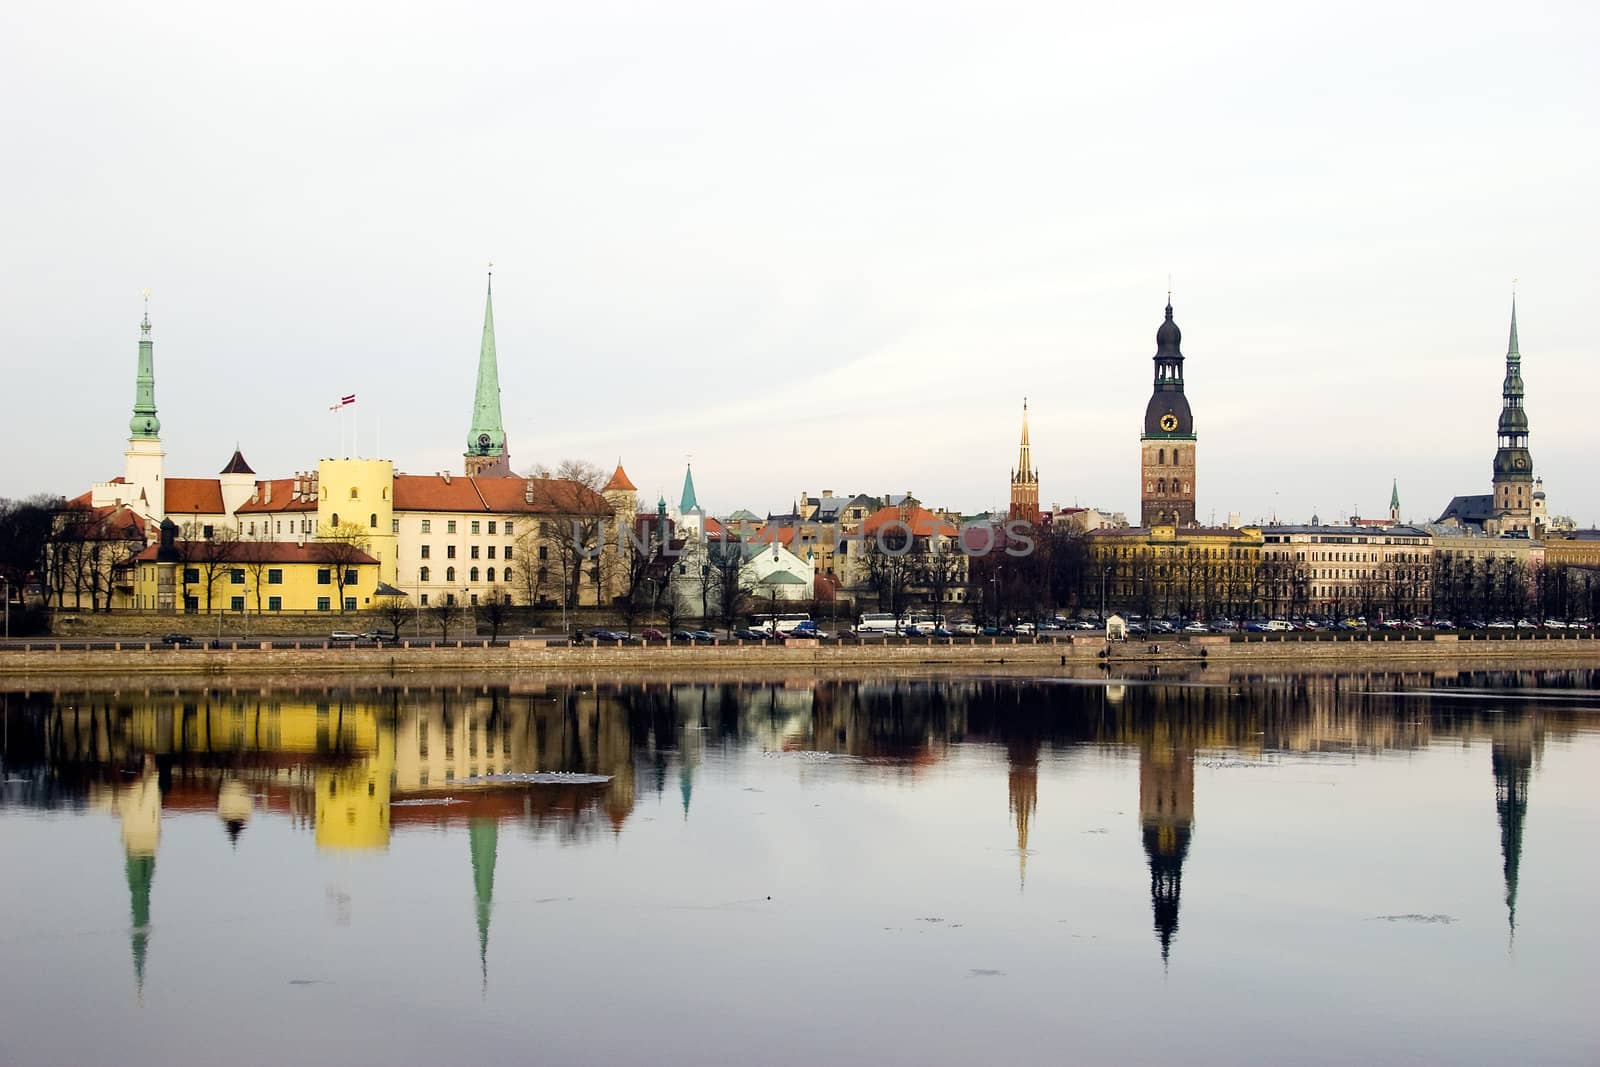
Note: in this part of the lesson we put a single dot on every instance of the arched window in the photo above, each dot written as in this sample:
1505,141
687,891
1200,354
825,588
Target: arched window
336,518
1161,456
1161,485
1175,460
490,575
474,573
385,493
450,574
423,574
372,520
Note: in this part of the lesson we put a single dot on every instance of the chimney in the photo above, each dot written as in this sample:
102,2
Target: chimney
266,496
446,476
527,491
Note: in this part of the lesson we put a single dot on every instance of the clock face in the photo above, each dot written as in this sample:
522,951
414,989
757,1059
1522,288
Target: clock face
1521,463
483,440
1169,422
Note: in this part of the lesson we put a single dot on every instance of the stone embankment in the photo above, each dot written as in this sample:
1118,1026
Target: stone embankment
30,660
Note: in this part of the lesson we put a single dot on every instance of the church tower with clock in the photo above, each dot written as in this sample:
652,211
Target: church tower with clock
1513,463
1167,445
486,455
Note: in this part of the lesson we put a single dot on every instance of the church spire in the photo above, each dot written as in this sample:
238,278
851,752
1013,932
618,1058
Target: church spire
1024,479
144,423
687,502
486,440
1511,757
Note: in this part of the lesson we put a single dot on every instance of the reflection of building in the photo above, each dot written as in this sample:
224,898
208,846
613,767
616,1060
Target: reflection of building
1166,815
484,838
352,807
1022,783
1511,756
139,808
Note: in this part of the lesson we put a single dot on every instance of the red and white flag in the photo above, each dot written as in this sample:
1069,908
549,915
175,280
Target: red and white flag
344,401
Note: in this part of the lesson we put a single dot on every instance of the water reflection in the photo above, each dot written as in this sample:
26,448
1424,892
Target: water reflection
354,768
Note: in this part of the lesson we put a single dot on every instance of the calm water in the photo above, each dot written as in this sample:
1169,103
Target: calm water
1381,869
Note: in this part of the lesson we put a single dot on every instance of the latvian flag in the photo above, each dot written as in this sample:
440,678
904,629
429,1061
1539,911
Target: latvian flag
344,402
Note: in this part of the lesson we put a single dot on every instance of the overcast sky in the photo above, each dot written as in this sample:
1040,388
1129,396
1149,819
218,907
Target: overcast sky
818,246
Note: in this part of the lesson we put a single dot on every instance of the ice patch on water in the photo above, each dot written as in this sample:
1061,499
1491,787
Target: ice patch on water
537,778
1414,917
426,802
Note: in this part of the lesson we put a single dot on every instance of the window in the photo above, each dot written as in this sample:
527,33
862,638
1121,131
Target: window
491,552
424,599
544,528
236,603
491,526
427,526
324,604
336,518
349,603
490,575
473,551
474,599
422,575
191,574
236,576
1161,455
353,493
544,574
372,521
508,552
473,575
449,551
274,603
450,526
324,576
427,551
475,526
1174,457
449,598
350,577
252,529
508,527
275,576
544,551
450,574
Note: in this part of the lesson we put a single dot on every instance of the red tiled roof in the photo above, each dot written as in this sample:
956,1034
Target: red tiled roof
269,552
194,496
551,496
281,492
619,482
923,522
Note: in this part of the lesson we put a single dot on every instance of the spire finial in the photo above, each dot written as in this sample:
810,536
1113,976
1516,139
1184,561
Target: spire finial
491,276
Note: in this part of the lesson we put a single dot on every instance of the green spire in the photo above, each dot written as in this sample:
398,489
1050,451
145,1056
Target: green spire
144,423
688,503
484,835
1394,496
1511,350
487,437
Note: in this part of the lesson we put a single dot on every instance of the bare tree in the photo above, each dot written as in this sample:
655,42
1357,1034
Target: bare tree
940,567
440,612
496,610
256,557
343,547
214,555
735,579
394,610
531,569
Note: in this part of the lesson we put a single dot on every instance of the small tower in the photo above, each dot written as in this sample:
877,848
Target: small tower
1394,504
1167,446
622,495
688,518
238,482
144,461
486,455
1513,463
1024,478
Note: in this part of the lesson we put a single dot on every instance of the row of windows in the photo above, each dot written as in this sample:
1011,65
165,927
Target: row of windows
1161,456
306,527
475,526
425,574
274,603
472,551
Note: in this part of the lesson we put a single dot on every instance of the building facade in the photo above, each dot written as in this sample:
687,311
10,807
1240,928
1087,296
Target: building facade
1347,571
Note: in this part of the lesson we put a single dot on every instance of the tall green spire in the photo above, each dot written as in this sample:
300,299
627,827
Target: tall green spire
484,835
688,503
144,423
141,871
1511,350
487,436
1394,496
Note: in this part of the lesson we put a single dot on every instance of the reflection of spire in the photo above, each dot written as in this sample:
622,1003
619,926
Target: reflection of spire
1512,760
1023,784
1166,813
686,787
484,835
139,806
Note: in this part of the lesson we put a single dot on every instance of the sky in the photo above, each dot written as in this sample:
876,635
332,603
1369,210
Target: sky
822,246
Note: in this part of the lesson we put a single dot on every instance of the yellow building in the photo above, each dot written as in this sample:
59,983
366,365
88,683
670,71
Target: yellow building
259,576
1196,571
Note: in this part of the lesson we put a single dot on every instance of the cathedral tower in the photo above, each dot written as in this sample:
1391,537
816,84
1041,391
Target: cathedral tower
486,454
1024,478
144,460
1166,448
1513,464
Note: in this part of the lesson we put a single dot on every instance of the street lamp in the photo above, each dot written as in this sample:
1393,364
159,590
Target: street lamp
1104,573
7,582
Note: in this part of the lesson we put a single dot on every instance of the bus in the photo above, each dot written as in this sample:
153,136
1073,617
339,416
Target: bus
884,622
783,624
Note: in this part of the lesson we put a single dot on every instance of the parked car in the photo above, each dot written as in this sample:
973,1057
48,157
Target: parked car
748,634
940,631
703,635
1024,629
967,629
605,635
177,639
1196,628
344,635
650,633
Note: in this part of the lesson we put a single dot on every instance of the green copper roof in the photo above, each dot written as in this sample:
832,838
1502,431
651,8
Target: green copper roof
484,836
141,871
1394,494
1511,350
688,503
487,436
144,423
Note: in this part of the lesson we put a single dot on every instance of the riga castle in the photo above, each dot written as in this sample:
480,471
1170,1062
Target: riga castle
431,537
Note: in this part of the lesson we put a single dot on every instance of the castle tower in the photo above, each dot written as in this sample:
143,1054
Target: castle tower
357,496
144,460
486,455
622,495
1513,464
1166,817
238,482
1024,478
1167,446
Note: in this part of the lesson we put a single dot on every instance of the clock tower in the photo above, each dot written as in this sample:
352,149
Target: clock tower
1167,445
1513,463
486,455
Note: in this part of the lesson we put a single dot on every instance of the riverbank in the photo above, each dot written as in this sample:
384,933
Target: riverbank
41,661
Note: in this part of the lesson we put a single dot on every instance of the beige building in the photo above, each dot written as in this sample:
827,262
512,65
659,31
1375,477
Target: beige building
1347,570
